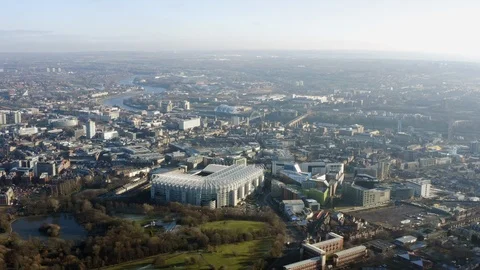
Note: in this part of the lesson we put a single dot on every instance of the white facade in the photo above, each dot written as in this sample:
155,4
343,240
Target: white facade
27,131
17,117
421,187
186,124
3,118
186,105
108,135
225,186
91,129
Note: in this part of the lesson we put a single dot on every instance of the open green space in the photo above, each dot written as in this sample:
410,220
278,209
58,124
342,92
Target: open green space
234,225
232,256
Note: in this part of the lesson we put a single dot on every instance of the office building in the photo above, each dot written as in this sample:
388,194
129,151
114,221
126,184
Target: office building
421,187
215,186
16,117
91,129
186,124
186,105
167,106
3,118
45,167
361,196
108,135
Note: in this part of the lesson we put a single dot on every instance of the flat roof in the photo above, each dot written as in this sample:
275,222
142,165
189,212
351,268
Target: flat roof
300,263
347,251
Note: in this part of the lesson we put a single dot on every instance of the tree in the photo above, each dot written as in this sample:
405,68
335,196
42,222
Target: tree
159,261
54,204
260,264
147,208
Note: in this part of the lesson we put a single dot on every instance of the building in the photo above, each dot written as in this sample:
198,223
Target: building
475,147
24,131
108,135
315,167
293,206
215,186
3,118
308,264
426,162
63,122
15,117
421,187
405,240
365,197
186,124
91,129
349,255
186,105
332,244
167,106
6,196
45,167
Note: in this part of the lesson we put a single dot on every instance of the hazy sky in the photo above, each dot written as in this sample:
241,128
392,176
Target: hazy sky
437,26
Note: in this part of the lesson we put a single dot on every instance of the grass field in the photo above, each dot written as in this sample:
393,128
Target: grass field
240,225
232,256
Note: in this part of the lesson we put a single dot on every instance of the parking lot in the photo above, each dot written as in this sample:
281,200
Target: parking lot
392,216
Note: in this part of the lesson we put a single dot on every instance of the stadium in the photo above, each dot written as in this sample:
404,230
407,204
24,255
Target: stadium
215,186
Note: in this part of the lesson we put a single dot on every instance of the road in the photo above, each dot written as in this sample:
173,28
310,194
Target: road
294,236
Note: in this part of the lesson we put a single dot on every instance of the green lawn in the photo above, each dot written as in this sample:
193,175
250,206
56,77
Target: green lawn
232,256
240,225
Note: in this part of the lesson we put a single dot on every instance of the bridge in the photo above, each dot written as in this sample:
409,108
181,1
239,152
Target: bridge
295,122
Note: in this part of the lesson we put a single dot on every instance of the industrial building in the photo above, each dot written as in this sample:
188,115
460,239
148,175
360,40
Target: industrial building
215,186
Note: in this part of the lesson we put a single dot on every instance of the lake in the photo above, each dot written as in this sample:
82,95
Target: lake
118,100
27,227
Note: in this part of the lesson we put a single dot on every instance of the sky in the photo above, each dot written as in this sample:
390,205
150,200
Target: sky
422,26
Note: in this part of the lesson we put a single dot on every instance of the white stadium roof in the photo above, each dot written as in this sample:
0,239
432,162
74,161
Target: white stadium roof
221,176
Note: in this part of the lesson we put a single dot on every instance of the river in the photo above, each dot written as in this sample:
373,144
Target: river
118,100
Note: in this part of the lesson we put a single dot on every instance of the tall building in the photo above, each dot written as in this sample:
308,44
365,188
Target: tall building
3,118
421,187
186,105
91,129
475,147
167,106
16,117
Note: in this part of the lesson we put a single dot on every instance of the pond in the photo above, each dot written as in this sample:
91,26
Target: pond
27,227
